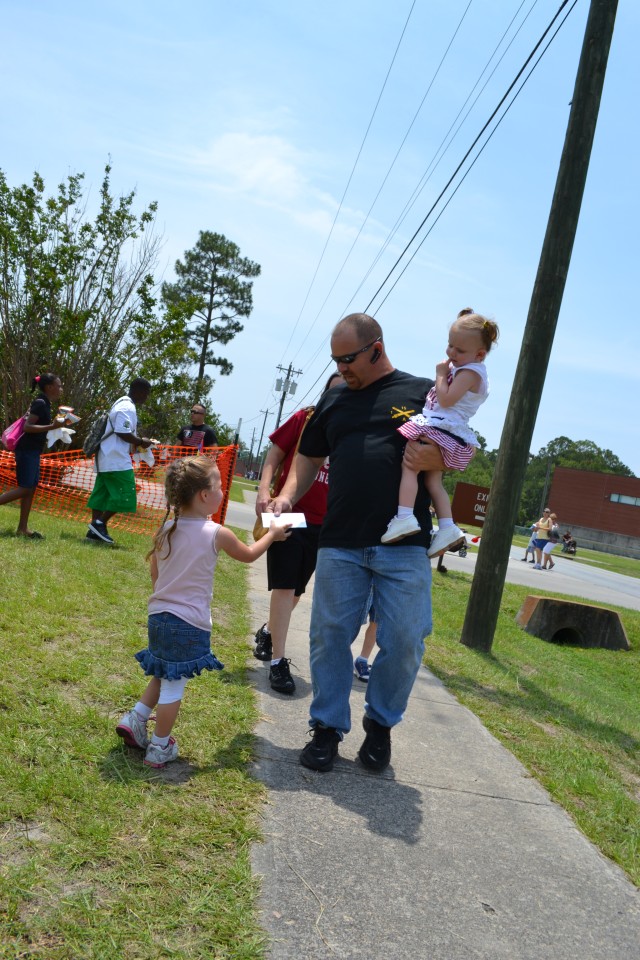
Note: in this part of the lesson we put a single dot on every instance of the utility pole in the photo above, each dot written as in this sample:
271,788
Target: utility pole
287,387
250,461
264,423
488,582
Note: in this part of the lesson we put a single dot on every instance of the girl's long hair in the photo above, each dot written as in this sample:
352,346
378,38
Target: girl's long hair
184,479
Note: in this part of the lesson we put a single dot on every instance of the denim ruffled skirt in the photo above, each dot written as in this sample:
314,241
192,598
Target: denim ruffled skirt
176,649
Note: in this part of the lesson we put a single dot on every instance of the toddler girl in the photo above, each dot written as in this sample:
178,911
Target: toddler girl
461,387
183,562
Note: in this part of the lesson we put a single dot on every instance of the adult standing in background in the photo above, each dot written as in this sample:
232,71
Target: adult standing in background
197,434
27,453
355,428
551,544
543,529
114,490
291,562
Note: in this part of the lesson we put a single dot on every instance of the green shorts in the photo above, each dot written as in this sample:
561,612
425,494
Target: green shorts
115,492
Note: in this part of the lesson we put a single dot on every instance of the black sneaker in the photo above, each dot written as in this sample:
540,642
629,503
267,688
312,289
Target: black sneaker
280,677
99,528
375,752
263,649
322,750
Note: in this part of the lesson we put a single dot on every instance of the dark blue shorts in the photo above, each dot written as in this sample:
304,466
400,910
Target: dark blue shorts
176,649
27,468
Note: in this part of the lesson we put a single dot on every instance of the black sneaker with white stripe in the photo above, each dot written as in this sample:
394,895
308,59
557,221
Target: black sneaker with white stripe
99,530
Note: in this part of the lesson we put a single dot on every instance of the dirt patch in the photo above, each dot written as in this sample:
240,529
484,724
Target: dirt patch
24,830
528,671
549,728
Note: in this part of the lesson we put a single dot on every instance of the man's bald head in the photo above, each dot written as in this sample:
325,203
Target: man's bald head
361,325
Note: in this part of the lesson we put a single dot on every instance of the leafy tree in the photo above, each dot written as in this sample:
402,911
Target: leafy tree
76,295
216,279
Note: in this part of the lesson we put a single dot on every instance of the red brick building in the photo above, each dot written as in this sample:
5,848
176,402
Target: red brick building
602,509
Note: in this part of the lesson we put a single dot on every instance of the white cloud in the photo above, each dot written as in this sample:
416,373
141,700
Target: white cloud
266,166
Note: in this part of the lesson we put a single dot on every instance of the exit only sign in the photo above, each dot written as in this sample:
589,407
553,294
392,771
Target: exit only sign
470,504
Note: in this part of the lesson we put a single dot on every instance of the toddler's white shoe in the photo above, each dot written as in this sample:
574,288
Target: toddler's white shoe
158,756
133,730
399,529
443,539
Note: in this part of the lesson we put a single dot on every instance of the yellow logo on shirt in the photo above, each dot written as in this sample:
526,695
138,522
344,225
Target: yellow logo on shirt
401,412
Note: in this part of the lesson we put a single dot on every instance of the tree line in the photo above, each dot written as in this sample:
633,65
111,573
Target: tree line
78,296
561,452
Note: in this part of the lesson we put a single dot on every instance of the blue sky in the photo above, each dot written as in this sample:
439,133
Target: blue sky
247,120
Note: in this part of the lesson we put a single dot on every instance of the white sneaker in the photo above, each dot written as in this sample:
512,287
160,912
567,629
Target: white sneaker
399,529
158,756
443,539
133,730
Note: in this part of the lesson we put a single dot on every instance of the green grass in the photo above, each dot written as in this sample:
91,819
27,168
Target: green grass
237,488
572,716
102,857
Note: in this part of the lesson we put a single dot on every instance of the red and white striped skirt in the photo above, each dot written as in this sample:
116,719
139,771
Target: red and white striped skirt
455,454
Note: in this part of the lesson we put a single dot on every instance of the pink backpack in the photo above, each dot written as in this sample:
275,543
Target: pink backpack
12,434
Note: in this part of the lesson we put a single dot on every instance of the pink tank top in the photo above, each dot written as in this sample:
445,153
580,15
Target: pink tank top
185,578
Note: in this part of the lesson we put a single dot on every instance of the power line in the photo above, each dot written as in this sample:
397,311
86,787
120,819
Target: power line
464,159
388,173
485,144
431,167
353,169
466,156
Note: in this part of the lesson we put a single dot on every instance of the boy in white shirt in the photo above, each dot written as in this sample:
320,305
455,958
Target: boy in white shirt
114,490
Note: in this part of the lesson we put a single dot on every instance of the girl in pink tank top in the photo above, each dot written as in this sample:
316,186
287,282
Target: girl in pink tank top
183,562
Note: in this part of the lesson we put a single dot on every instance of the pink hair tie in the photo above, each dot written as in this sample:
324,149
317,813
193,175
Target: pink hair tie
37,379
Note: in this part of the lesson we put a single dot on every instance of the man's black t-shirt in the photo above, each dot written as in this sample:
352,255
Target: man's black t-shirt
356,429
203,436
40,408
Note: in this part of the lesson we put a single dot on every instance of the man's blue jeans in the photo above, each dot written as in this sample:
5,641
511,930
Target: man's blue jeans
401,580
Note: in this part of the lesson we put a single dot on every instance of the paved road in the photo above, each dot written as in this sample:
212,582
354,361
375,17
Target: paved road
575,579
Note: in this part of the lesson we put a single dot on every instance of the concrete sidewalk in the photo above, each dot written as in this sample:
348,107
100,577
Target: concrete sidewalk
453,853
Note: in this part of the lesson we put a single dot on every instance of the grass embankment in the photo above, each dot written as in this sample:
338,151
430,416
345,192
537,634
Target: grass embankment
572,716
238,487
100,856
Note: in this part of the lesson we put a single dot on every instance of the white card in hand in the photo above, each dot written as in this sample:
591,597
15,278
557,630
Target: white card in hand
294,519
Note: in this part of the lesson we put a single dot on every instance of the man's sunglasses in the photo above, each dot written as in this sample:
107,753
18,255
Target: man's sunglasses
199,412
350,357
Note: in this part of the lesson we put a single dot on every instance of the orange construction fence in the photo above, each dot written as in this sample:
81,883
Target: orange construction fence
67,478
